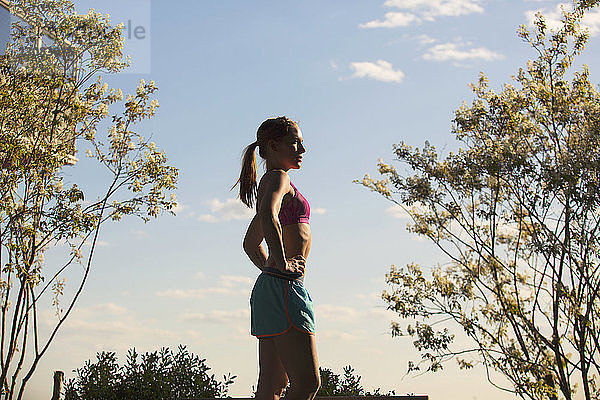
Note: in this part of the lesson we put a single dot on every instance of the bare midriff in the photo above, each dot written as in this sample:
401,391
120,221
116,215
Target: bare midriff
296,239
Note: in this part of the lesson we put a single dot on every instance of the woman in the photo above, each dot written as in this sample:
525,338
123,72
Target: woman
281,308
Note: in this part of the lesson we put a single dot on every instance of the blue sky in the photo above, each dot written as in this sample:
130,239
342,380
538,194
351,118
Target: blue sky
359,76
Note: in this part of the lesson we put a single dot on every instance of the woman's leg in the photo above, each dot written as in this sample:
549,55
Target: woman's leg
272,379
298,354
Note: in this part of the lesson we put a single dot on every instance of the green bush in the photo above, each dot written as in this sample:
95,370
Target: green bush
348,385
163,375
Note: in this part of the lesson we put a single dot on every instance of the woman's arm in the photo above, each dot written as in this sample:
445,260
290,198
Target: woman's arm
252,240
274,184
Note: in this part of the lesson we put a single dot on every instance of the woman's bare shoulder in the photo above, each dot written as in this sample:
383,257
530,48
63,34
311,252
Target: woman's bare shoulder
275,180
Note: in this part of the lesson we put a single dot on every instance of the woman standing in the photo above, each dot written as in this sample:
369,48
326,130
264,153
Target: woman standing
281,308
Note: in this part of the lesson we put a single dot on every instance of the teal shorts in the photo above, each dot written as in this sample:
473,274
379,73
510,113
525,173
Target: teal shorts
278,303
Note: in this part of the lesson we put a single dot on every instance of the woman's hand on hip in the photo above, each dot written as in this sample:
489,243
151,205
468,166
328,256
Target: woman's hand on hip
295,264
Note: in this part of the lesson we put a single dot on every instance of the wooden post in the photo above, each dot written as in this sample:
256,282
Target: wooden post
58,381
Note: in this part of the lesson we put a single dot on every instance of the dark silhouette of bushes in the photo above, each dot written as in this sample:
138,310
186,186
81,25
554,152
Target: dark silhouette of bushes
160,374
169,375
347,385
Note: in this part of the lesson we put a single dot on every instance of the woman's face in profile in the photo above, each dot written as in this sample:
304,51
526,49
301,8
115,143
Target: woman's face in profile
291,149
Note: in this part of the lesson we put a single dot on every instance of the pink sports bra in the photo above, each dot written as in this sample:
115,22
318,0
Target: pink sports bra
294,211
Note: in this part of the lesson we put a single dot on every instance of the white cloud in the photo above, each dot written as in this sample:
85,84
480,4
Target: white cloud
381,314
103,328
380,71
179,208
104,323
401,213
199,275
110,308
414,11
456,52
552,17
219,316
393,20
208,218
190,293
231,281
230,209
319,211
373,296
425,39
591,19
344,336
331,312
434,8
333,65
397,212
229,285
